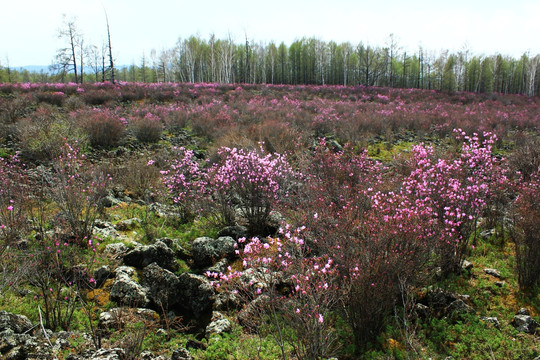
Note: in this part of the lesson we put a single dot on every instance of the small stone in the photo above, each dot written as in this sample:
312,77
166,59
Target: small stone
181,354
218,325
467,265
525,323
492,272
128,224
523,311
500,283
491,320
115,249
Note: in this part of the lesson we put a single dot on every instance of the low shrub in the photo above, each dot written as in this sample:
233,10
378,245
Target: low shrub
526,232
104,129
40,135
52,98
148,128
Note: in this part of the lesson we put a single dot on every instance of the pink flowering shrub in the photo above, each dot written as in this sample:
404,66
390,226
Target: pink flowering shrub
250,183
14,200
290,289
61,272
240,186
457,190
77,189
186,183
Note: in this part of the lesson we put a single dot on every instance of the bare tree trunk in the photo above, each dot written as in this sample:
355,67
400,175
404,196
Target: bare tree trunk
111,63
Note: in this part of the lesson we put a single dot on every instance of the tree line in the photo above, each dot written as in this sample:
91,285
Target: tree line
305,61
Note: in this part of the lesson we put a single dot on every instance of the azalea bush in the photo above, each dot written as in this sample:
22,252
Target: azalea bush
77,188
240,185
61,272
14,201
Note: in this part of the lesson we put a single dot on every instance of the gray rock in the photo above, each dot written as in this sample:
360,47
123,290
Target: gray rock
226,300
195,295
16,346
218,325
181,354
109,201
105,229
126,291
525,323
207,251
467,265
236,232
486,234
175,246
164,211
109,354
491,320
158,252
493,272
256,278
162,285
115,249
459,307
102,274
117,318
219,267
128,270
148,355
128,224
523,311
17,323
422,310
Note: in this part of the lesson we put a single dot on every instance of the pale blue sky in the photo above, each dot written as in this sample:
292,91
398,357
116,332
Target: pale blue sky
28,28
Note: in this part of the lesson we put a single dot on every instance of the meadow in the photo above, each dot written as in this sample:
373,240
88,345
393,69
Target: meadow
269,221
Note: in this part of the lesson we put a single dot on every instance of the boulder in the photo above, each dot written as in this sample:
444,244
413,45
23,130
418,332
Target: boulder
117,318
525,323
196,296
16,323
250,317
219,267
218,325
128,224
207,251
466,265
175,246
181,354
144,255
102,274
236,232
226,301
523,311
457,308
115,249
126,291
109,354
18,346
105,229
162,285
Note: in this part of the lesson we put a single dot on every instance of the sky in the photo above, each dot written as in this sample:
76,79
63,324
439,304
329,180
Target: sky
29,28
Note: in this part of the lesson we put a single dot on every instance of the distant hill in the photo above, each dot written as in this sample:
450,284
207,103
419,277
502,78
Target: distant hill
33,68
